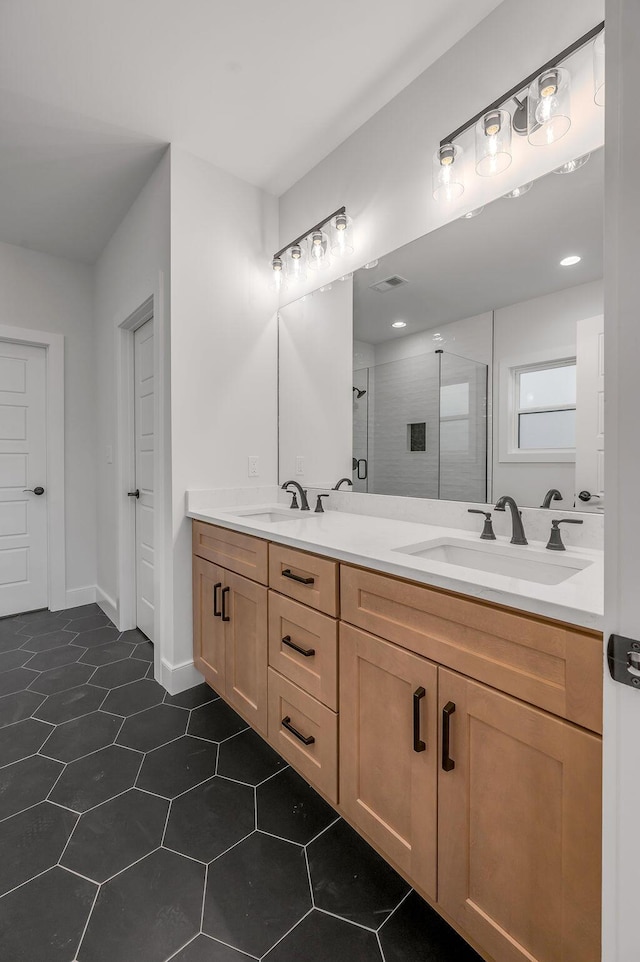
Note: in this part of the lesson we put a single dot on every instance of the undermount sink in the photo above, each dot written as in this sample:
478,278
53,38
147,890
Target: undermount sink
271,515
499,559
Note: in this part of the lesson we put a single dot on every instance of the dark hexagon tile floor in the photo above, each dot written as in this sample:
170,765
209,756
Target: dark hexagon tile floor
118,802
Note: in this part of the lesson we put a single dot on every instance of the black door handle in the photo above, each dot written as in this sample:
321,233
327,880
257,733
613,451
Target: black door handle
307,652
305,739
448,763
362,477
225,616
216,588
37,490
418,744
288,573
133,494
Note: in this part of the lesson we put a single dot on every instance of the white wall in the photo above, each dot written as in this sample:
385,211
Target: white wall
223,349
521,332
51,294
315,387
383,171
134,265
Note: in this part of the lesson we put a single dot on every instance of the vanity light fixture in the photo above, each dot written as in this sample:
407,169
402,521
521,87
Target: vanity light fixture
493,143
598,70
310,251
570,261
572,165
447,181
518,191
277,267
399,324
542,113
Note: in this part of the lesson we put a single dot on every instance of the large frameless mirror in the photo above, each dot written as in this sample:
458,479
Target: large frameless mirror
466,365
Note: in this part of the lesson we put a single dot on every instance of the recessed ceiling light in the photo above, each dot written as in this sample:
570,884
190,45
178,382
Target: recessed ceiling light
519,191
570,261
370,265
399,324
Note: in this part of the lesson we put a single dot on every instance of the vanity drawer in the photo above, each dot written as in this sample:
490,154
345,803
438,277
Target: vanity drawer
317,761
546,663
304,577
311,631
237,552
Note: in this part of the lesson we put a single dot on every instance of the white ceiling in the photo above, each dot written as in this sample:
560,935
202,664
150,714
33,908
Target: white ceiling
511,252
92,90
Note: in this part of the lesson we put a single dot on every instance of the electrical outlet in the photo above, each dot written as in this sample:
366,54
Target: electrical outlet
299,465
253,466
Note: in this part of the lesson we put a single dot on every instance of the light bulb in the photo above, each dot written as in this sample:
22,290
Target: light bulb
276,266
399,324
447,182
549,107
570,261
493,143
341,235
318,250
296,263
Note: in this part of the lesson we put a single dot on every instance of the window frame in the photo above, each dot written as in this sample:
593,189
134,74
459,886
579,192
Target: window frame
509,418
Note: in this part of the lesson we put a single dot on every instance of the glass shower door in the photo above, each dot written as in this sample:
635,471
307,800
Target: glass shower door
360,462
463,429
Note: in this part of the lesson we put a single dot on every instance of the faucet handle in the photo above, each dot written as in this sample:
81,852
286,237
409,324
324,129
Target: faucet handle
555,542
294,499
319,508
487,531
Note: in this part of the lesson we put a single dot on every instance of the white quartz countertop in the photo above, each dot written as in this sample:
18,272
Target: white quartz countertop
372,542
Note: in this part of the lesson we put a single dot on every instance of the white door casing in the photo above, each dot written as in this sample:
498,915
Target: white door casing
23,465
590,412
144,465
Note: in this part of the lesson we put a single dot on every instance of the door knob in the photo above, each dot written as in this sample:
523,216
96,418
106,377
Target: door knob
39,490
133,494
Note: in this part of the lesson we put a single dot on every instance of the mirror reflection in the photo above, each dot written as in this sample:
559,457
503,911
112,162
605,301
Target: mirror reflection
466,365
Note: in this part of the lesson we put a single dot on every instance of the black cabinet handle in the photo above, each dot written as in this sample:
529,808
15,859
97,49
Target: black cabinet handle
305,739
216,589
134,494
288,573
225,616
448,763
307,652
418,744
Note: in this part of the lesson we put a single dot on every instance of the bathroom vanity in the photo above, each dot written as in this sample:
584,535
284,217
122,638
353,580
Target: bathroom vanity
454,721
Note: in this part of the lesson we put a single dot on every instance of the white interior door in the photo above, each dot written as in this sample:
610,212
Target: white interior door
590,412
23,464
144,457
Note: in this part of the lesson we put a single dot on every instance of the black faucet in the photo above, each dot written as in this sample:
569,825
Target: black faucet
304,505
517,529
555,538
348,481
487,531
552,495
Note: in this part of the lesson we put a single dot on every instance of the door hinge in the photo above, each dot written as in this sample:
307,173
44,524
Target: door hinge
623,658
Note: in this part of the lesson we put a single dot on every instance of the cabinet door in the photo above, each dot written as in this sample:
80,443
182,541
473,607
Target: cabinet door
519,827
245,605
388,781
208,629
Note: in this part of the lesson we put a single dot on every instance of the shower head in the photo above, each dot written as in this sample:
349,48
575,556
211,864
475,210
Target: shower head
360,392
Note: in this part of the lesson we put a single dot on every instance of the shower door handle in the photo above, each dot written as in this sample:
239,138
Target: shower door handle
362,477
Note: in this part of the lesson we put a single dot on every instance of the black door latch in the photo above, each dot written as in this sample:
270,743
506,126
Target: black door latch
623,658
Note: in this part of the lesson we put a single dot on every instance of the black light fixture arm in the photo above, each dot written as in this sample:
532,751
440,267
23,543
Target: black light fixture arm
524,84
319,226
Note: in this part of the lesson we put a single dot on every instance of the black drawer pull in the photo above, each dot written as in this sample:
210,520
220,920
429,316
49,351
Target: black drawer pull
216,589
448,763
225,616
418,744
288,573
305,739
307,652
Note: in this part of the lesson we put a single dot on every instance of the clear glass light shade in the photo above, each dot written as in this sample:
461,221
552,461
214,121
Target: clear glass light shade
493,143
277,267
549,107
295,261
572,165
341,235
318,250
447,181
519,191
598,70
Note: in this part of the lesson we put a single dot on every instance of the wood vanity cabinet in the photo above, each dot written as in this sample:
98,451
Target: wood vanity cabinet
230,626
461,738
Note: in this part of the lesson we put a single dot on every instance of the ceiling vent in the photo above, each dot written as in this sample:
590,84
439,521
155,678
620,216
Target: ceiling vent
389,284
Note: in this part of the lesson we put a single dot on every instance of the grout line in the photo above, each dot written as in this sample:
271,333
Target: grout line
325,829
282,938
26,882
190,858
393,911
71,834
280,838
273,775
248,835
382,956
86,924
342,918
182,947
73,871
306,860
166,823
127,867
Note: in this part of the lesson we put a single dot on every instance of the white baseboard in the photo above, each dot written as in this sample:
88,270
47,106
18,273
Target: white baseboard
177,678
75,597
107,604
